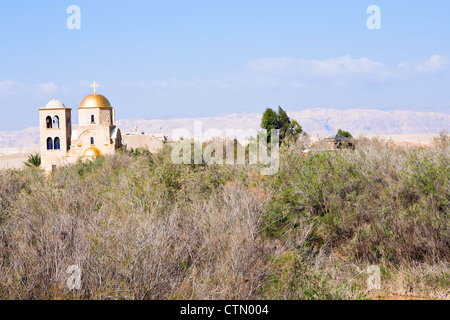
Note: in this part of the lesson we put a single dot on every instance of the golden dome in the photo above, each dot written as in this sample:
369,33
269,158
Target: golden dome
94,101
92,152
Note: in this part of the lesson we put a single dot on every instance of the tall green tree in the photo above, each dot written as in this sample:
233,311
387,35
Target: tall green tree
289,129
269,122
284,123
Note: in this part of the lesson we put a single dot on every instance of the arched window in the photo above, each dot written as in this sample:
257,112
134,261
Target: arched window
49,144
92,141
57,144
55,122
92,119
49,122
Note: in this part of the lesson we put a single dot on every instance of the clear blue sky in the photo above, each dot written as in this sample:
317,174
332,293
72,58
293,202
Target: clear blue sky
166,59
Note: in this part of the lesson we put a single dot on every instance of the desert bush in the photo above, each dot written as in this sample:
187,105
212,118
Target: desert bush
141,227
378,203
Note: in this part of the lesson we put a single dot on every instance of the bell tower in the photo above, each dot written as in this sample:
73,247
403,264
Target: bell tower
55,126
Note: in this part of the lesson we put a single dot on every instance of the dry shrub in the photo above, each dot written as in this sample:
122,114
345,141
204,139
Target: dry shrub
141,227
118,226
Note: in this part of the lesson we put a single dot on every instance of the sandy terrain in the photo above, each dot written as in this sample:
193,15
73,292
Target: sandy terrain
423,139
13,158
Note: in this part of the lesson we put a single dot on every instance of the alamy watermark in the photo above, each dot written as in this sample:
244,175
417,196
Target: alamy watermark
74,20
222,150
74,280
374,279
374,21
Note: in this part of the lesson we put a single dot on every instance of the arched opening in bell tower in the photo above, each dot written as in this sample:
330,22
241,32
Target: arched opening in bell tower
48,122
57,144
55,122
49,144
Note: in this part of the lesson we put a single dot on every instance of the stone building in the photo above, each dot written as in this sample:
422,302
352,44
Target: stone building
340,142
95,135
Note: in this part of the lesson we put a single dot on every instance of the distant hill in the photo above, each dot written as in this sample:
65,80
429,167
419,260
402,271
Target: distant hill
28,137
322,122
371,122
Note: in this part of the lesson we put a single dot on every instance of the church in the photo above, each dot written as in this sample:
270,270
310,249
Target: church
95,135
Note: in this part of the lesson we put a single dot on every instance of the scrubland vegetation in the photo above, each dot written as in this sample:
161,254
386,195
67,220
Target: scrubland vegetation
141,227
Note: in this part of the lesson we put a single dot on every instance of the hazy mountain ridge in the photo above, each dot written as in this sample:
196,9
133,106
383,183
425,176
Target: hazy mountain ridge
20,138
323,122
371,122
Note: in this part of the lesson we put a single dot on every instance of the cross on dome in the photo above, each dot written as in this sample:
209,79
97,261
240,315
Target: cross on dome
95,86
